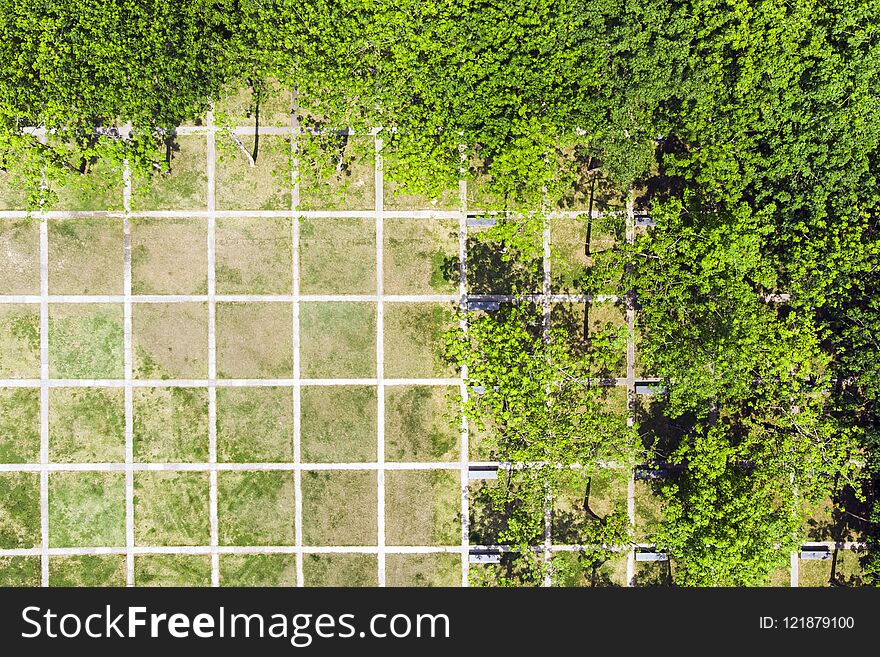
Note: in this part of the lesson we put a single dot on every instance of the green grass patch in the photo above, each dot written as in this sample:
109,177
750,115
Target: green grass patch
568,571
254,256
337,256
338,339
339,508
86,425
573,264
85,341
827,520
85,256
19,341
422,570
98,189
254,340
86,509
489,273
20,571
607,494
652,573
19,255
87,570
187,570
171,508
255,425
170,425
19,509
170,340
399,196
169,256
419,424
265,186
340,570
237,106
255,508
844,569
257,570
19,425
337,172
184,183
339,424
648,512
421,256
422,507
13,195
414,342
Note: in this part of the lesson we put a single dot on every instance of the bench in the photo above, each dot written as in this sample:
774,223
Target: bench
482,305
483,472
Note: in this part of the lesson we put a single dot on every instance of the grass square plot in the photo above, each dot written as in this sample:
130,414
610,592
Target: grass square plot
85,341
255,508
337,255
828,520
489,273
241,106
422,507
87,425
170,425
86,509
255,425
99,187
20,571
337,172
422,570
19,256
421,256
87,570
652,573
420,424
254,256
339,507
19,510
169,256
486,519
339,424
340,570
605,569
586,322
171,508
338,339
843,569
19,341
13,195
185,570
19,425
648,512
268,185
183,182
587,500
414,344
658,432
481,441
433,189
254,340
170,340
85,256
779,578
257,570
575,245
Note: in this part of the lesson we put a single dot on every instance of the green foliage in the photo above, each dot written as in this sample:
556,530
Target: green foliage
543,415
